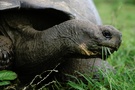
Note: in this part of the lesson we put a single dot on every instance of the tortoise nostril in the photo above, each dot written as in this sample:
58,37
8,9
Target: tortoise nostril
107,34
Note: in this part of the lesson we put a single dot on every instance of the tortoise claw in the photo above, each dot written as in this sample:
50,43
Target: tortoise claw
5,60
5,53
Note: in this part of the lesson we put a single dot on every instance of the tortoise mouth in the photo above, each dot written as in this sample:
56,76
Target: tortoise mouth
101,52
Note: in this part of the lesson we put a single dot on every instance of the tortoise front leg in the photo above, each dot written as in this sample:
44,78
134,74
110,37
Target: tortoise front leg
6,55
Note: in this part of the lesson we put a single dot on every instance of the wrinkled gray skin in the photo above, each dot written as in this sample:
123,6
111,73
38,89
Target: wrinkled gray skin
68,32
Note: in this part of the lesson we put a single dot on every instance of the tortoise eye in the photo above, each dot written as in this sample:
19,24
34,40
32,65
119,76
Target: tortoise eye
107,34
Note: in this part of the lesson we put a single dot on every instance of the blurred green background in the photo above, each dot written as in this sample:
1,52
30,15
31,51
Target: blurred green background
116,1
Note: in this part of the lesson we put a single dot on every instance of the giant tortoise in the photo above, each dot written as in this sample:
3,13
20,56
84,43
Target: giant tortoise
38,35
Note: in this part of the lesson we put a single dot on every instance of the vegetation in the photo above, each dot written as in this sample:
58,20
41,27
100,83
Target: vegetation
6,77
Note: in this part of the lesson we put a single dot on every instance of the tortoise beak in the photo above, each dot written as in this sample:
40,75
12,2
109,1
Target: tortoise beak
84,50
